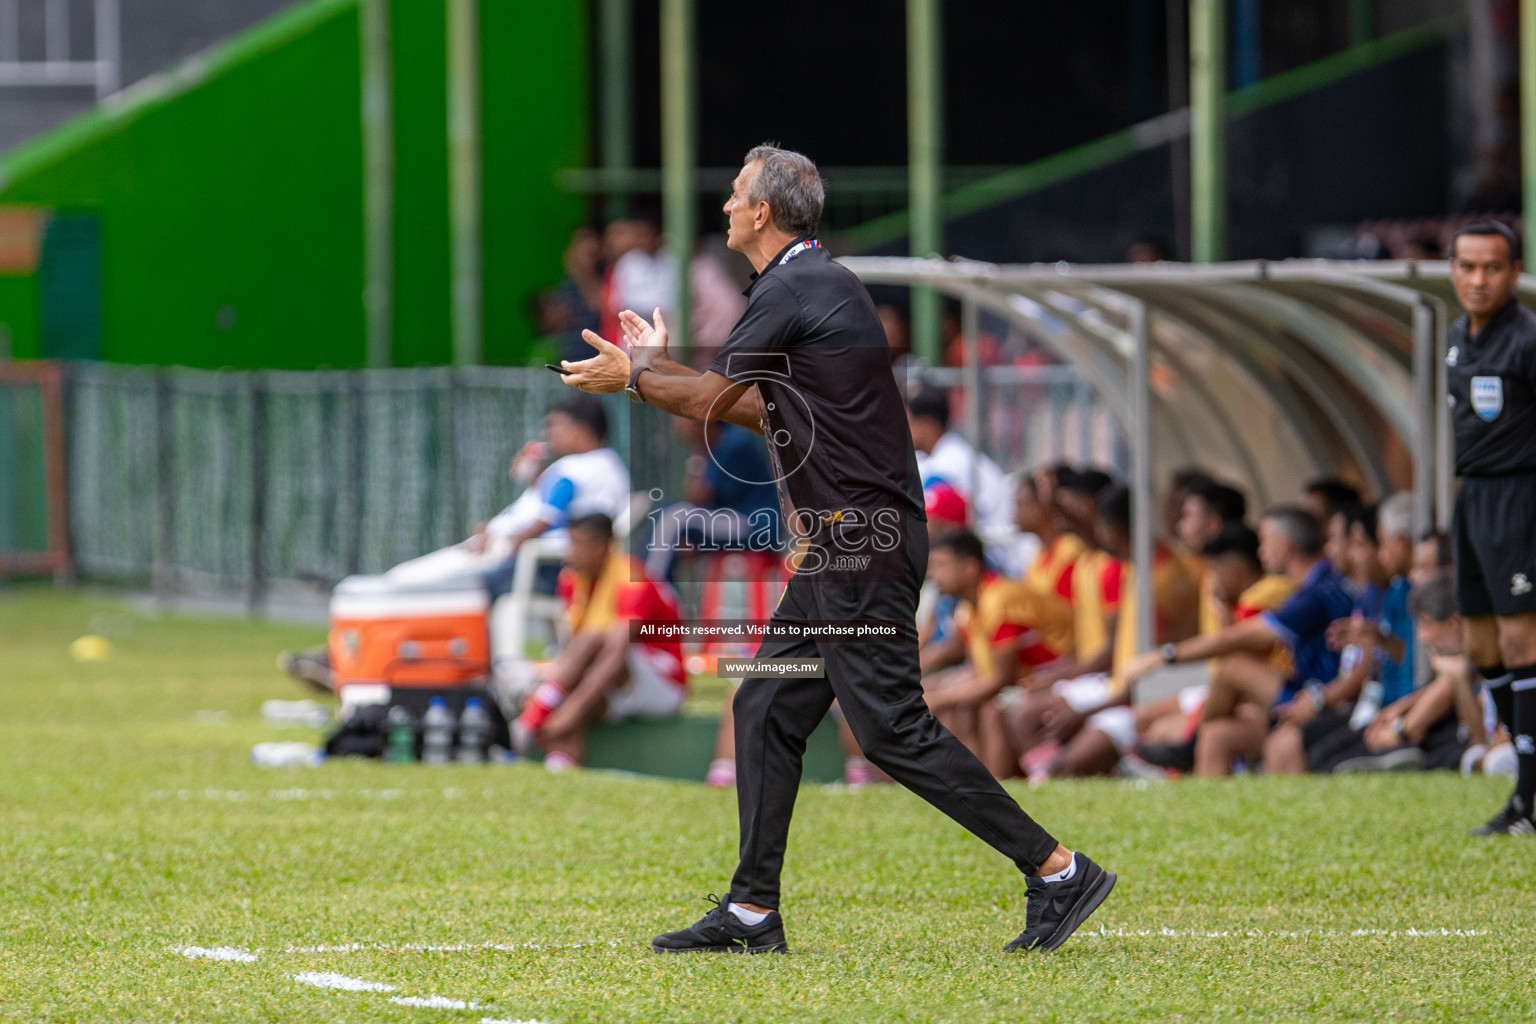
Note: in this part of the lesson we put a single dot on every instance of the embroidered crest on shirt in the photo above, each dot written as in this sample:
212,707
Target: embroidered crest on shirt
1488,397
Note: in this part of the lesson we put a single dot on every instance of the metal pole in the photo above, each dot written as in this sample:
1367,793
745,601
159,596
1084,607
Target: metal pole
1361,22
969,329
10,30
464,179
1208,129
1528,118
108,52
378,182
925,162
1141,472
1445,456
679,153
617,138
1178,99
1424,420
56,30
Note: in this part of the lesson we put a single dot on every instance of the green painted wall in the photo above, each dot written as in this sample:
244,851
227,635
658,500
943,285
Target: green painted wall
230,190
534,106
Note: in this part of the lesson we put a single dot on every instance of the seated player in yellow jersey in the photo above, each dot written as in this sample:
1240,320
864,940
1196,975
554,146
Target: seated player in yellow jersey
1087,718
1236,589
996,617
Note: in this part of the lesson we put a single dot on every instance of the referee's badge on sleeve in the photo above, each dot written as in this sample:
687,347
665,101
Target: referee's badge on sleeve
1488,397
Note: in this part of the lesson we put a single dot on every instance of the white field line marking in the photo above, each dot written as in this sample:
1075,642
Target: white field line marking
434,1002
328,979
499,1020
1309,933
461,947
216,953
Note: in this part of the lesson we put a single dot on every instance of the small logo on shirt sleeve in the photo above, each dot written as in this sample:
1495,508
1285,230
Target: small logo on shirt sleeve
1452,356
1488,397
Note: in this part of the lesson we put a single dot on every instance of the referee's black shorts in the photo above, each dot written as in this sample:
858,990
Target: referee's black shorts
1494,533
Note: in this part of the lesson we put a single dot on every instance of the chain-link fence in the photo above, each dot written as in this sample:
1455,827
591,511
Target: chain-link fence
246,483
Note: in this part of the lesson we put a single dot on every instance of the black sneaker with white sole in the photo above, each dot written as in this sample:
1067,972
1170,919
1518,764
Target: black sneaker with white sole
721,931
1514,820
1056,909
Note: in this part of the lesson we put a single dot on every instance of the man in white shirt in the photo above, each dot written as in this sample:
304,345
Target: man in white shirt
943,455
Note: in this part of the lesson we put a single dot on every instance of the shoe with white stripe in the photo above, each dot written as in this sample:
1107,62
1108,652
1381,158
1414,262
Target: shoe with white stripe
1513,820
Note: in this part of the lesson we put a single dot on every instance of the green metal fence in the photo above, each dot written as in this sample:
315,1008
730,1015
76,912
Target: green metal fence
251,482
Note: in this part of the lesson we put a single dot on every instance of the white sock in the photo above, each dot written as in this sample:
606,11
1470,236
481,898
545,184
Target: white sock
748,916
1064,874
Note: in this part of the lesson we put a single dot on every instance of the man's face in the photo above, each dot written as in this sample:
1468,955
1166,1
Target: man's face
1028,511
1113,540
1336,543
1426,561
1315,503
1078,507
1364,555
1396,555
953,575
1274,549
587,553
1442,638
1484,273
1197,523
741,213
1232,574
563,434
925,432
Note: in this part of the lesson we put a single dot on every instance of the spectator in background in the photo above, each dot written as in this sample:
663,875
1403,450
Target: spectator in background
1325,496
641,276
1374,644
575,304
730,503
1246,687
1183,482
600,673
1208,509
586,476
1097,727
717,302
1426,728
943,455
1149,249
996,617
1238,588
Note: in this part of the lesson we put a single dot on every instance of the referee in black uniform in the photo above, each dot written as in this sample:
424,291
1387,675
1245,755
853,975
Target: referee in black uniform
808,365
1491,359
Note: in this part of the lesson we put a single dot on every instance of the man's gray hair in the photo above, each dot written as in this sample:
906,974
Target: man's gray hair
787,181
1297,526
1395,517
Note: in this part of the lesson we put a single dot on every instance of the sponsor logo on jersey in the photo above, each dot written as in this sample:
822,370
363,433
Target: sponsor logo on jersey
1453,355
1488,397
1519,584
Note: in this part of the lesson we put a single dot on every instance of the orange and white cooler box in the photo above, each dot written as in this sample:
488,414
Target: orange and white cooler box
387,634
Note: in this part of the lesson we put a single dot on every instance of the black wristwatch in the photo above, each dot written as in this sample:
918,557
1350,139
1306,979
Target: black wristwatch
1170,654
632,389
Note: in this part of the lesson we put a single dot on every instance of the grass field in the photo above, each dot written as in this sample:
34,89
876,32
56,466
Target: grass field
132,823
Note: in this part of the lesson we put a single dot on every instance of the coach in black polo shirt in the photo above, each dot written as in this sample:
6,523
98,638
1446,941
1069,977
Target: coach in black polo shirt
1491,359
808,366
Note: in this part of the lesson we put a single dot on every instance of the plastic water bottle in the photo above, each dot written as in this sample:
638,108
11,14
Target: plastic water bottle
400,726
437,733
474,732
1367,706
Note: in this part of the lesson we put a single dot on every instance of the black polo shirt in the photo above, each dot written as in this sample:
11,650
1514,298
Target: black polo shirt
812,343
1492,380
